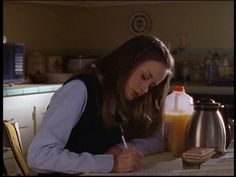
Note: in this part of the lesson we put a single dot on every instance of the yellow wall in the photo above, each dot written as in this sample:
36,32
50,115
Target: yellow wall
206,24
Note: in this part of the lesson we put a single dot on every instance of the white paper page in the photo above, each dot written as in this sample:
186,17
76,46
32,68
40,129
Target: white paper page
224,161
161,167
204,172
157,169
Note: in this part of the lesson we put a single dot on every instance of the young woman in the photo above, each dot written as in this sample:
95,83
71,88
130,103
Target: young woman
119,96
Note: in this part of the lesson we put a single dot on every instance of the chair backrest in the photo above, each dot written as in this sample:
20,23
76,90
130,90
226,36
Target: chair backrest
15,144
4,169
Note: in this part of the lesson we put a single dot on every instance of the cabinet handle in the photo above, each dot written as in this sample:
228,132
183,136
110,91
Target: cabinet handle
34,119
26,126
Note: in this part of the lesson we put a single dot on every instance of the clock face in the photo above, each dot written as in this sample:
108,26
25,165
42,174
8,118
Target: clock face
140,23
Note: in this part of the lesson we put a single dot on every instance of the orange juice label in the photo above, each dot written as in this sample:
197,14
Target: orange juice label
174,132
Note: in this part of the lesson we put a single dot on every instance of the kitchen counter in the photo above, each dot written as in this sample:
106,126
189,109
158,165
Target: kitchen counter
211,90
25,89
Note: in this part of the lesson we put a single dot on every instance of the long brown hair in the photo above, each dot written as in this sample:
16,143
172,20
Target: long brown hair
143,114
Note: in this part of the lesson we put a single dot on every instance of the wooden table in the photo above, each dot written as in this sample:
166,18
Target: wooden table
183,169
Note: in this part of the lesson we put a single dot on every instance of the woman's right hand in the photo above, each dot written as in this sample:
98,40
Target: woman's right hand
128,160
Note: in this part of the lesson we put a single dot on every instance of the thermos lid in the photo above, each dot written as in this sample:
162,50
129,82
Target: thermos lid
206,105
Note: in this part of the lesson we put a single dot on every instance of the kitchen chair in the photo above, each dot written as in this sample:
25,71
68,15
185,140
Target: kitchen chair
4,169
14,141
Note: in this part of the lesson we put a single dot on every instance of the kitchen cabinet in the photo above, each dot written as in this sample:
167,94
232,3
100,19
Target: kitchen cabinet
24,109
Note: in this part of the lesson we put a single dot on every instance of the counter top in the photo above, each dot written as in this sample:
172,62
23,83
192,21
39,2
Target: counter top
211,90
25,89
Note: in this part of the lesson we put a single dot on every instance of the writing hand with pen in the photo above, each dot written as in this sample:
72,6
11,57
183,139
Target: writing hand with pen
129,159
126,160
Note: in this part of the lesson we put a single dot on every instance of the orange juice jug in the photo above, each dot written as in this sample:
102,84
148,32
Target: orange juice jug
178,111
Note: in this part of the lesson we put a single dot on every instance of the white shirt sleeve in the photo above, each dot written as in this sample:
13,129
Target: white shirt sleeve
46,152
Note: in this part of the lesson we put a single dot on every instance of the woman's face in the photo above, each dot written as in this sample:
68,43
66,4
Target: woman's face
146,75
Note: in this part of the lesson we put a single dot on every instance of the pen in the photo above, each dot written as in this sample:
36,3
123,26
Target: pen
122,137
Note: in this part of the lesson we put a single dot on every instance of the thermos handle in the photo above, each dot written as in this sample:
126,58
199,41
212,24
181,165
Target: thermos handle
224,112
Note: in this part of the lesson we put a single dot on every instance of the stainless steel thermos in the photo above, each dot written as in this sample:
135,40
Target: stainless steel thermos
206,127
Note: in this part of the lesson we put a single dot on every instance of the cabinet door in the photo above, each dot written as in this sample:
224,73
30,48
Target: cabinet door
41,103
20,108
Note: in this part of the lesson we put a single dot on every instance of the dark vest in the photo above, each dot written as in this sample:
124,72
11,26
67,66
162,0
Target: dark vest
89,134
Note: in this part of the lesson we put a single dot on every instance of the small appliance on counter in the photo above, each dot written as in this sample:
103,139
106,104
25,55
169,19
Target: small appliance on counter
13,63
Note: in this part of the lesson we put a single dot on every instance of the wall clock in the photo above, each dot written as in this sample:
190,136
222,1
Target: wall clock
140,23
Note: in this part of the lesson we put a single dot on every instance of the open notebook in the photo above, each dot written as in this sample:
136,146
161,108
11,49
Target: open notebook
228,171
156,169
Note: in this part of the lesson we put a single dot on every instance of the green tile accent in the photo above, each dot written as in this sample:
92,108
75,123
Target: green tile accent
44,89
55,88
4,93
30,90
14,92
